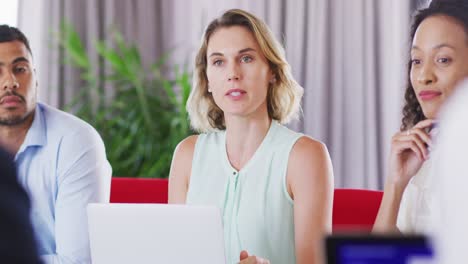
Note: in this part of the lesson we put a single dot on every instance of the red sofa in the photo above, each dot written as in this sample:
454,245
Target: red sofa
353,209
138,190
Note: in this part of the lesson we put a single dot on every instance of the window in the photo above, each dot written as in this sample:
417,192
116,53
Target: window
9,13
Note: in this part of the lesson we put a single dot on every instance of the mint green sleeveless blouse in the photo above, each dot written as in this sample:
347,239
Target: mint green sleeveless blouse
257,210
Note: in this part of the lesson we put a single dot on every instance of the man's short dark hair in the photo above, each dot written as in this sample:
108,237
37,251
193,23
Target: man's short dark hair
8,34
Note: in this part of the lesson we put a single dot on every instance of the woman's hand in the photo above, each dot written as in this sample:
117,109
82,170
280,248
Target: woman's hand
409,150
246,259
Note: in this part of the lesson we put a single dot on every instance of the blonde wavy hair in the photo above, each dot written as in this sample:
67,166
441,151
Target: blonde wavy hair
283,96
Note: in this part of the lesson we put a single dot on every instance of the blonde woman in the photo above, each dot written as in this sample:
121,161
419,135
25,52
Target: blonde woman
274,186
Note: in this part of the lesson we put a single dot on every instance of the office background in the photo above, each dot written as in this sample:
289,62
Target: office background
349,55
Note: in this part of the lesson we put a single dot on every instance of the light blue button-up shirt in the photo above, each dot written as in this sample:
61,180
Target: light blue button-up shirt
62,165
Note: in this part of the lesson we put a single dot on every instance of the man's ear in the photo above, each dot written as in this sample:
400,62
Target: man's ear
35,74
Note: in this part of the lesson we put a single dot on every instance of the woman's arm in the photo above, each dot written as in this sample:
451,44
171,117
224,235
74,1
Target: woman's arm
310,184
408,153
386,219
181,167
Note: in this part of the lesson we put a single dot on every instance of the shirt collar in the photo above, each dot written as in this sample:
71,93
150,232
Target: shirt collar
36,135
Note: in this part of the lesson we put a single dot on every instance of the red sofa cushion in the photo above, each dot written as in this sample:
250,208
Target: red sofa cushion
138,190
355,209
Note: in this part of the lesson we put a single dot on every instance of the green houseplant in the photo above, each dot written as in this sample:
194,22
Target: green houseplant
144,118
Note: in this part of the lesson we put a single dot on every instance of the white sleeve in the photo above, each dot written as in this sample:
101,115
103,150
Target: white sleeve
406,211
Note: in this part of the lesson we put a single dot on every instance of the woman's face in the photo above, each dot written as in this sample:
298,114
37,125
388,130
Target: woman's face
238,73
439,60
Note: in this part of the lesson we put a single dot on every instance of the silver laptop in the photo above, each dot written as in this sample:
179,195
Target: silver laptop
155,233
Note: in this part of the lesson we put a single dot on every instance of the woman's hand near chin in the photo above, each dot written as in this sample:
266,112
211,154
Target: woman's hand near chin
409,151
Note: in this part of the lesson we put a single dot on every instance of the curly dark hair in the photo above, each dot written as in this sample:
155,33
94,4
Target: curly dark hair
457,9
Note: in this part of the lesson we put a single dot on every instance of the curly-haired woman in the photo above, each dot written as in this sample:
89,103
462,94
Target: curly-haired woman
439,61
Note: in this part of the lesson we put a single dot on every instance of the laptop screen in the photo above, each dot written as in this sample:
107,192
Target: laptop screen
155,233
372,249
